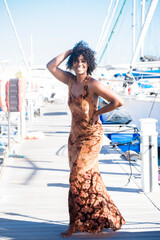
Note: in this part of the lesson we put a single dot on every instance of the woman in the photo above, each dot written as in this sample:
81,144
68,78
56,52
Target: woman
90,206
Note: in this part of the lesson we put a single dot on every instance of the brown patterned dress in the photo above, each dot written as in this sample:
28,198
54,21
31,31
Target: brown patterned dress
90,207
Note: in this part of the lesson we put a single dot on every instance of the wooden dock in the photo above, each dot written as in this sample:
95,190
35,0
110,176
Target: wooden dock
34,187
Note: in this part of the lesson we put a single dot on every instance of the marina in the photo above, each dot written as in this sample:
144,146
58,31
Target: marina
35,123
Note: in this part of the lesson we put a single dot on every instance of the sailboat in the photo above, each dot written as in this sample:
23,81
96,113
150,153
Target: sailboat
140,102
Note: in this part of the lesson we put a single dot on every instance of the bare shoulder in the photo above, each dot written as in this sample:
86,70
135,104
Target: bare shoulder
71,77
94,84
99,89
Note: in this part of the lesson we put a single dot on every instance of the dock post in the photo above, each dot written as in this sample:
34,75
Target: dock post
148,148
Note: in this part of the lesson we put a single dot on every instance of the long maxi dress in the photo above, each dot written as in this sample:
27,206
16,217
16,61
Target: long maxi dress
90,206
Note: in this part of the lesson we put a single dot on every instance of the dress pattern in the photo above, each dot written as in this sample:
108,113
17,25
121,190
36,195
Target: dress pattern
90,206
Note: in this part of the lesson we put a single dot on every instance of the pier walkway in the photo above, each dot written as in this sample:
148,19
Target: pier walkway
34,187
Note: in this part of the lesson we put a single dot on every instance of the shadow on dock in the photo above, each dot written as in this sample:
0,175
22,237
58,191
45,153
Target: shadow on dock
31,230
24,229
55,113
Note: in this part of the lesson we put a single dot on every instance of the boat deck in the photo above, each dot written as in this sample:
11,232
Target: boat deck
34,187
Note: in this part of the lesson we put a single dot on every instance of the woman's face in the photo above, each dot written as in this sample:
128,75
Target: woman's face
80,66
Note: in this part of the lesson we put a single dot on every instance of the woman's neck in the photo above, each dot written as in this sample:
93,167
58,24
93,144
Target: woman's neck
81,77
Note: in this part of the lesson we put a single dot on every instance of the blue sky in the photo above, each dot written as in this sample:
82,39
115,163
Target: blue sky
56,25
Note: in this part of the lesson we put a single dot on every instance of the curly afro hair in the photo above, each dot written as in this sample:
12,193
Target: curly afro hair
82,48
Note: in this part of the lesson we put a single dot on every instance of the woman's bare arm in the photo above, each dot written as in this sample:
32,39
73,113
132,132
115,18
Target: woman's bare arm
101,90
52,66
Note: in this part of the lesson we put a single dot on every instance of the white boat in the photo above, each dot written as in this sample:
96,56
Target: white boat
143,106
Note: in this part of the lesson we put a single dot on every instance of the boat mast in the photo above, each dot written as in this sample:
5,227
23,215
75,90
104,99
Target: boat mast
143,16
30,108
31,60
144,30
15,31
120,13
104,25
108,26
133,26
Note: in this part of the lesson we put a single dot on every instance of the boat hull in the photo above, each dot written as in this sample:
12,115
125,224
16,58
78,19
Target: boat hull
143,107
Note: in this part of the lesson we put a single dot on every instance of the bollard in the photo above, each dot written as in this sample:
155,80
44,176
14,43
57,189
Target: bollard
148,148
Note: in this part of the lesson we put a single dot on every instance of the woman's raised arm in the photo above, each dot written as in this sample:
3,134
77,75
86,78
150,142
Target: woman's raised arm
52,66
